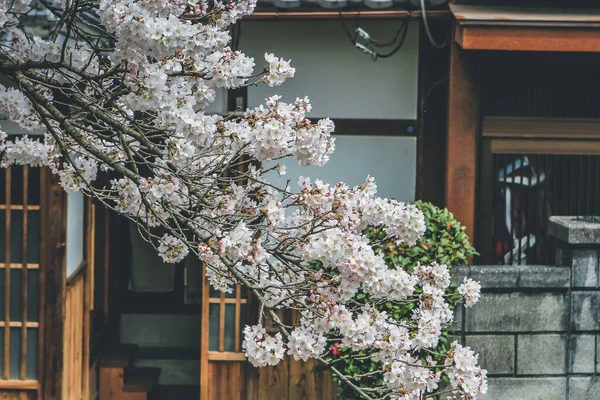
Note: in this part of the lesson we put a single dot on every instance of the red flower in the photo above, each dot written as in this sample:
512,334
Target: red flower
334,349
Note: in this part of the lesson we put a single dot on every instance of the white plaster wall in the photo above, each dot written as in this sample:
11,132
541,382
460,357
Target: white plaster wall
75,231
340,80
391,160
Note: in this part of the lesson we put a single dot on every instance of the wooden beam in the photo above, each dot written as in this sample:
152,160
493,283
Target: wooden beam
463,129
541,128
545,146
528,38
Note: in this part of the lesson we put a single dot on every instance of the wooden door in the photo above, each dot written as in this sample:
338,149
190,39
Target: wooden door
222,362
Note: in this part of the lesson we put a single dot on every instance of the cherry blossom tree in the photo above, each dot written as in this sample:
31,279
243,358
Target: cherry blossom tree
119,87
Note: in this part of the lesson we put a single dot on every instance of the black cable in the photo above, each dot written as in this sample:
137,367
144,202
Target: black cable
398,46
391,42
341,18
426,24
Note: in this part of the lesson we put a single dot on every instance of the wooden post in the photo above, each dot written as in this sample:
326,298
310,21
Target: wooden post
53,213
463,132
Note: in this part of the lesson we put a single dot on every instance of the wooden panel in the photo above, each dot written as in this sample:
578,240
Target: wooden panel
73,378
18,395
264,383
306,384
226,380
111,387
521,38
463,131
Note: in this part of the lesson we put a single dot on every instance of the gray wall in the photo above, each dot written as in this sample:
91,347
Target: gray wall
537,328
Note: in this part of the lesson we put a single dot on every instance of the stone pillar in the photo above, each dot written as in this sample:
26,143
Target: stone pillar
579,249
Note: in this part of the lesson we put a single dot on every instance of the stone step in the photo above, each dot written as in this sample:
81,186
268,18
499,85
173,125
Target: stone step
160,330
174,371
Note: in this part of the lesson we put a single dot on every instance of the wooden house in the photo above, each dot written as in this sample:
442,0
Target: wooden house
88,313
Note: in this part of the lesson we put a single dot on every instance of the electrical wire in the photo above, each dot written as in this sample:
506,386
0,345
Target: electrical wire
398,46
427,31
341,18
391,42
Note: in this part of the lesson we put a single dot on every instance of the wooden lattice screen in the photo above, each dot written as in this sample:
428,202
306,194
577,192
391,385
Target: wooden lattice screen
222,360
20,275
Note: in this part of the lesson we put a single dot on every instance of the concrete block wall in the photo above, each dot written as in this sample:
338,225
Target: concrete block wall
537,328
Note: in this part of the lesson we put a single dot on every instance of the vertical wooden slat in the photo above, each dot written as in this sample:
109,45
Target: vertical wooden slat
88,297
204,337
7,277
222,323
67,348
24,276
106,277
42,271
238,306
91,258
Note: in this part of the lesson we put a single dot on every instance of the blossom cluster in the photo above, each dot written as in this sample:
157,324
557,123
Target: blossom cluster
129,94
261,348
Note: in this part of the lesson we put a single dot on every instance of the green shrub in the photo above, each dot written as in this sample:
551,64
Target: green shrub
445,242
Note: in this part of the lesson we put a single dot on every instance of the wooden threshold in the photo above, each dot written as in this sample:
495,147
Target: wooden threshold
19,384
225,356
